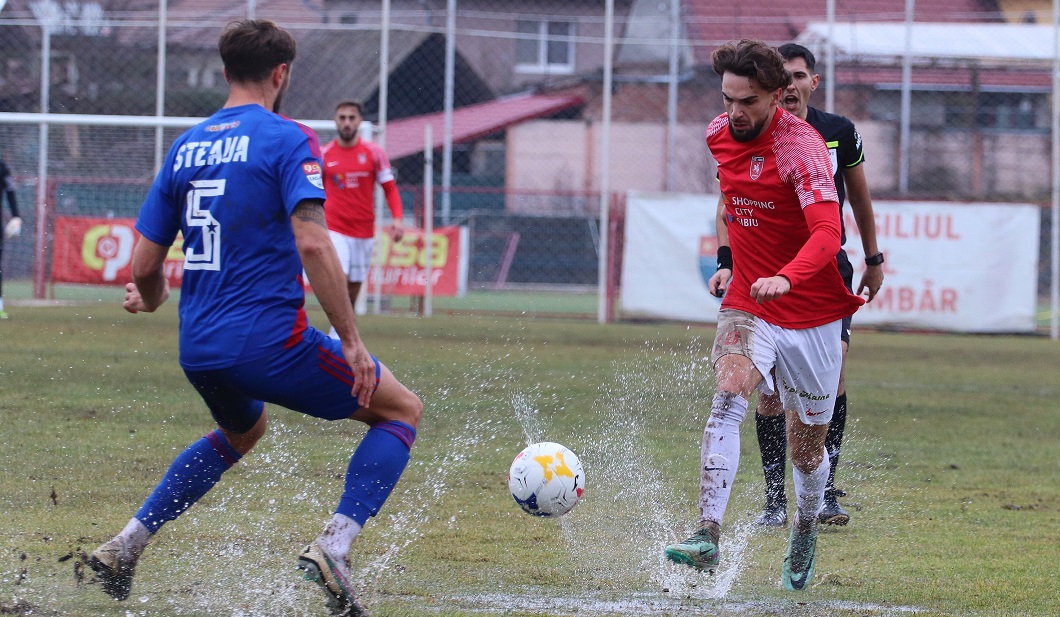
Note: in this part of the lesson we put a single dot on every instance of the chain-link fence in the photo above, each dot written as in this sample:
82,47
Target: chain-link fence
518,98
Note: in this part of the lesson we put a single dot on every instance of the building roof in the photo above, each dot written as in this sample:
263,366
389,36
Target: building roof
711,23
991,43
946,78
350,69
198,23
407,136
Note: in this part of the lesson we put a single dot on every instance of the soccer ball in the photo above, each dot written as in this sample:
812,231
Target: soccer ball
546,479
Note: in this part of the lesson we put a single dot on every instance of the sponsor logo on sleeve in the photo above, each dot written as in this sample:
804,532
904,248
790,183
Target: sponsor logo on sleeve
312,172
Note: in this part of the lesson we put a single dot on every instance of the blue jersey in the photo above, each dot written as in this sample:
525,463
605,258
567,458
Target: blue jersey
230,185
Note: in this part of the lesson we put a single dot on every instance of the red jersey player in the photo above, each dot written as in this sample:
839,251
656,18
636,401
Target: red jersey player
352,167
778,328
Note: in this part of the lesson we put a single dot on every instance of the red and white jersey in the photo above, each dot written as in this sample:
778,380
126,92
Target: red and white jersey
350,175
767,182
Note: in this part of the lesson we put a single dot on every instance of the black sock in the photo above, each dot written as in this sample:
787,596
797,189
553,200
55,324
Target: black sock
834,439
773,443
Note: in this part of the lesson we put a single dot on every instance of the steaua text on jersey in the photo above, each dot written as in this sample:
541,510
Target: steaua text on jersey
767,182
230,185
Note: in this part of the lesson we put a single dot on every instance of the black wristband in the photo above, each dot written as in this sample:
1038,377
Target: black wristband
724,257
874,260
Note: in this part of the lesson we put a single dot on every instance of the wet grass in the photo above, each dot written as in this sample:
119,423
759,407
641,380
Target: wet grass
950,465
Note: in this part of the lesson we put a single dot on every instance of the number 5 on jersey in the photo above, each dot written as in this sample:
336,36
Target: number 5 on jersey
208,257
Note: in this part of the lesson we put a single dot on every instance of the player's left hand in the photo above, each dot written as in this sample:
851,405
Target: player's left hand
13,227
871,281
396,230
363,368
765,289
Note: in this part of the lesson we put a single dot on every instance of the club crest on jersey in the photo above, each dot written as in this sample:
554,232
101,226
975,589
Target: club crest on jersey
361,158
758,163
312,172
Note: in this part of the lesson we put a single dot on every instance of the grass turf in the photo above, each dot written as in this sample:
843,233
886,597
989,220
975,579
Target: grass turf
949,463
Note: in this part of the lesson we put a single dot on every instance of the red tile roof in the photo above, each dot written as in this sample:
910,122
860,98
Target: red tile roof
406,136
946,78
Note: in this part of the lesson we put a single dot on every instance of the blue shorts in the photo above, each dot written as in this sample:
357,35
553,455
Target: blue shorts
310,377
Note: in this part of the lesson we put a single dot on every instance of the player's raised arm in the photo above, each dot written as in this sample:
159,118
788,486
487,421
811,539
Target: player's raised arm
321,264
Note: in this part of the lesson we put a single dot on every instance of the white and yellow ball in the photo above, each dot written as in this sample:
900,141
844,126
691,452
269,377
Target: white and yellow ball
546,479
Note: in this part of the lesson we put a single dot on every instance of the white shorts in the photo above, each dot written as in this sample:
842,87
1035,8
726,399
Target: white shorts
355,255
807,360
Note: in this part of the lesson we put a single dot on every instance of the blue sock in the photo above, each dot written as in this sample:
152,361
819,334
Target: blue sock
375,468
191,475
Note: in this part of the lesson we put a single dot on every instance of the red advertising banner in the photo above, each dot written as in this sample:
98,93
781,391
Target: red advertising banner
98,251
402,265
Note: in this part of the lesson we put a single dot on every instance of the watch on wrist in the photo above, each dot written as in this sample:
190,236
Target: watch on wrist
874,260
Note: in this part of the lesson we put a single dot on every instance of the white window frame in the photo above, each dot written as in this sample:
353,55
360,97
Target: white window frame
542,65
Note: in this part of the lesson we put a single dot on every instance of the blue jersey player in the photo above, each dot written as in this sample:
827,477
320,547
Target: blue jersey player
245,189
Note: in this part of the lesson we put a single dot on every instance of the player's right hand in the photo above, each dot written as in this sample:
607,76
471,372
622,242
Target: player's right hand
134,302
719,283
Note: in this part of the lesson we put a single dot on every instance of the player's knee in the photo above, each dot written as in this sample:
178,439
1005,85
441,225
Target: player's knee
411,409
807,461
245,442
728,382
727,408
401,405
769,405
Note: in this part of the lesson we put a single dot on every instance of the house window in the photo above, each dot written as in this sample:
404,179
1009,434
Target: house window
544,47
999,110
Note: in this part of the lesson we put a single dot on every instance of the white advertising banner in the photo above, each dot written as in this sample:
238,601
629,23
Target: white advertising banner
670,253
966,267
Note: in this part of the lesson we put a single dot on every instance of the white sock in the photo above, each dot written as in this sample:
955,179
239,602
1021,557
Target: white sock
1,304
809,490
720,455
339,535
135,536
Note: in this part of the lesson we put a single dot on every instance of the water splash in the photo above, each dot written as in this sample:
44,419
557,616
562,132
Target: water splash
528,417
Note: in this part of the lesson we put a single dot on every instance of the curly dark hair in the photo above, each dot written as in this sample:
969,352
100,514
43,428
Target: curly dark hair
754,60
251,49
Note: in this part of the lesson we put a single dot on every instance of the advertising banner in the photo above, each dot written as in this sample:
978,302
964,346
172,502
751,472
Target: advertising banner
98,251
402,265
967,267
670,252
